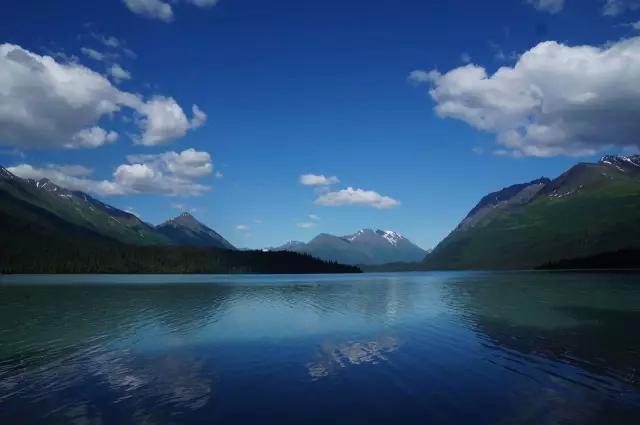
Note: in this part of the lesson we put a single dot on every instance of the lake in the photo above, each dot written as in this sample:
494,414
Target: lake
405,348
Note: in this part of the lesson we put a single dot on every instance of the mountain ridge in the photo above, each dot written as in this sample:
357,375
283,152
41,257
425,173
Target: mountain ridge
589,209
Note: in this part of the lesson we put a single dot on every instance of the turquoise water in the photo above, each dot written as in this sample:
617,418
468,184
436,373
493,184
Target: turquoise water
423,348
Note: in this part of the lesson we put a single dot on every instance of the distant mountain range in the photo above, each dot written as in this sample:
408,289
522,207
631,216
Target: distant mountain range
365,247
584,216
47,228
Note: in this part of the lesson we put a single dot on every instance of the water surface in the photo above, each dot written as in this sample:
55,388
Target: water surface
423,348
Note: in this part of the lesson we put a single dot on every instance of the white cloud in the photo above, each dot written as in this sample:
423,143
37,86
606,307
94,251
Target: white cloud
242,228
351,196
118,73
218,175
317,180
154,9
556,100
314,217
618,7
307,224
465,57
161,9
92,138
66,179
163,121
46,104
551,6
93,54
169,173
189,163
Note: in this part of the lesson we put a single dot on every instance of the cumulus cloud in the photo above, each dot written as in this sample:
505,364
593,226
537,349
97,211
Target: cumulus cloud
556,100
317,180
169,173
351,196
153,9
551,6
118,73
91,138
618,7
242,228
163,121
46,104
189,163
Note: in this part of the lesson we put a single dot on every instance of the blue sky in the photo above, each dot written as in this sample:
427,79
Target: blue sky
295,87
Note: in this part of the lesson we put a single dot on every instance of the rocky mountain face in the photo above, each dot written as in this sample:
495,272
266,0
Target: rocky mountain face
366,246
590,209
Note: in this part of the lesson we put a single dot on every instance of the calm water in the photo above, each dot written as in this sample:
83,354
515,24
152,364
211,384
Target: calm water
432,348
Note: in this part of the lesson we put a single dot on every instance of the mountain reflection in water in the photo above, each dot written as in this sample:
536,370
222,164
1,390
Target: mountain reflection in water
480,348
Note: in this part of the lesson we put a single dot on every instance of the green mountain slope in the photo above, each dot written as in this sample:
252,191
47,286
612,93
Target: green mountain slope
78,208
588,210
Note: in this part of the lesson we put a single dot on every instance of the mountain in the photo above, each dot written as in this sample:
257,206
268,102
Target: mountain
83,211
186,230
74,207
591,209
366,246
45,228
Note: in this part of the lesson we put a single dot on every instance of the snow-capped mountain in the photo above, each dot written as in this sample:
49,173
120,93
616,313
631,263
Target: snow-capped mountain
366,246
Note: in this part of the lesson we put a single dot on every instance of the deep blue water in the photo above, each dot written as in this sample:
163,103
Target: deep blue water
415,348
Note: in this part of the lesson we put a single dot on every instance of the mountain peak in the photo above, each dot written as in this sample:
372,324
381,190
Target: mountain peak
185,229
621,160
185,219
